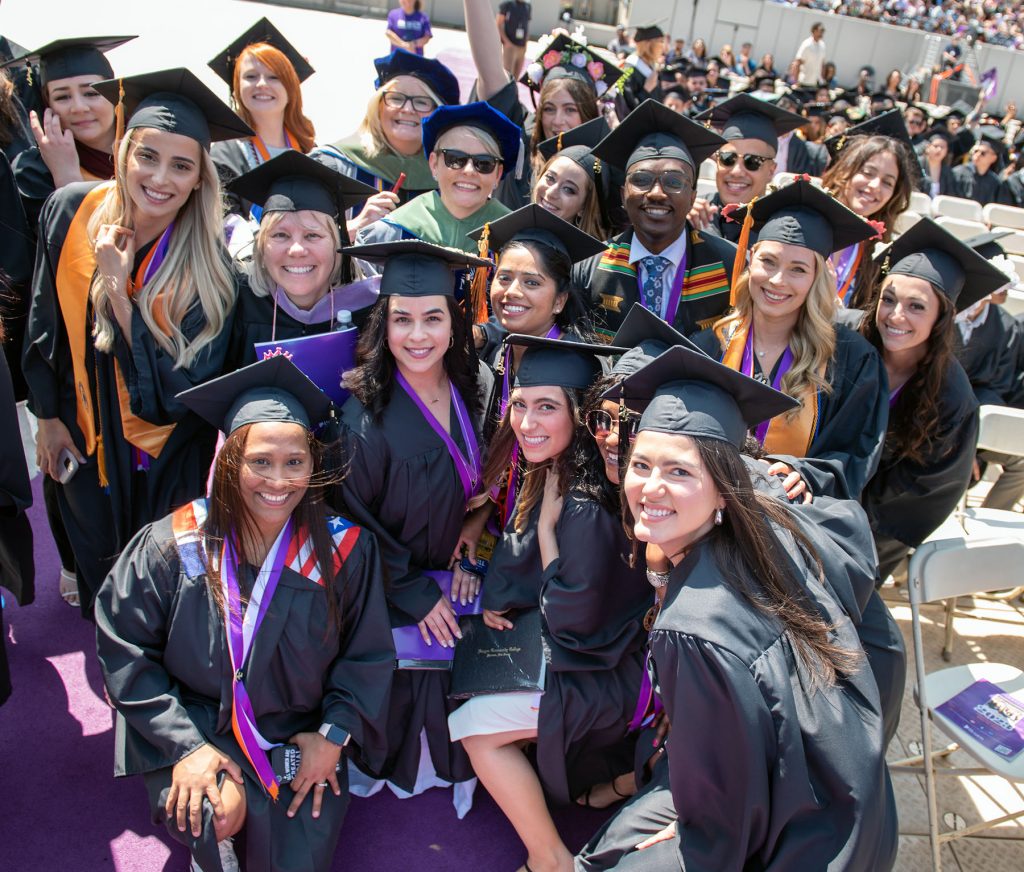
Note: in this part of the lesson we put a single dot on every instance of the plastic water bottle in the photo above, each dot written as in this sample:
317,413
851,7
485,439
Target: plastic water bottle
343,320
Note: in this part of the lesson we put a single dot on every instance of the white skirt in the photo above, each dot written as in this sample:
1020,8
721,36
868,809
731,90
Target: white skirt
495,713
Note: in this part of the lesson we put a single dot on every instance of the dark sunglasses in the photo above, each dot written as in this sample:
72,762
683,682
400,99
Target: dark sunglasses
398,100
751,162
671,182
484,164
600,424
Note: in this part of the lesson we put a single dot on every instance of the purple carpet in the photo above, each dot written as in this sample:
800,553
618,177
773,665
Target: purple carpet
62,809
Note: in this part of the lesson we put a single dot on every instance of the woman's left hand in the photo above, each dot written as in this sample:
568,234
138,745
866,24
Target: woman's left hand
793,484
317,770
551,503
668,833
115,255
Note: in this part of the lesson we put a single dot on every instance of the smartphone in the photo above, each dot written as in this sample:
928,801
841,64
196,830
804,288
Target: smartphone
286,759
68,464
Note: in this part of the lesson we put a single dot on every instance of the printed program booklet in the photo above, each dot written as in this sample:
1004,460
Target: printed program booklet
990,715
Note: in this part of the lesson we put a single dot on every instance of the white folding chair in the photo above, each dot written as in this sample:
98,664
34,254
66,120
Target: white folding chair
957,207
706,188
781,179
708,168
920,203
1015,299
943,570
961,228
1013,243
905,220
998,215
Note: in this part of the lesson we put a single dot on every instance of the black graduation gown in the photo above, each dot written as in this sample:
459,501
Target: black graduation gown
907,501
17,248
1011,191
607,283
982,188
163,649
513,192
234,158
806,157
765,773
403,486
852,419
17,569
593,606
990,356
948,183
98,523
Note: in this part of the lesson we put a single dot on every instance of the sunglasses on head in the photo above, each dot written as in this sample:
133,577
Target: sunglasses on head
751,162
600,423
671,181
484,164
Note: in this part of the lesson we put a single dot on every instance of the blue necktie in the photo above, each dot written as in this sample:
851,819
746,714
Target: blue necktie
654,284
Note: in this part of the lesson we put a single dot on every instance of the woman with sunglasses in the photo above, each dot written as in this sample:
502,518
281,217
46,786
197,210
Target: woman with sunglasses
412,430
781,331
775,757
386,152
927,277
562,551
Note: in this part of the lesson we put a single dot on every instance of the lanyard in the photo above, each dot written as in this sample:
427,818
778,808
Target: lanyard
467,468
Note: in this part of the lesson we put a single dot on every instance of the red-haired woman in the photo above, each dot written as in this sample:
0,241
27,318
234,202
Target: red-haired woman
265,73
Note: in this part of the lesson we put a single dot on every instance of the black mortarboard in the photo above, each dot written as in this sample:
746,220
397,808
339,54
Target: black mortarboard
649,31
431,72
695,70
987,244
652,130
889,124
66,58
177,102
479,114
535,223
992,136
581,140
817,110
928,251
292,182
274,389
960,108
802,214
746,117
558,362
413,268
646,336
565,57
262,31
689,393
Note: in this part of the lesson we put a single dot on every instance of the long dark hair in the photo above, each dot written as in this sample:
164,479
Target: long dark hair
579,467
229,516
373,378
583,95
914,418
757,565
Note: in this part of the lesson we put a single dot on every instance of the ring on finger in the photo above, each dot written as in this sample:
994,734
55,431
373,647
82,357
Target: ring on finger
321,784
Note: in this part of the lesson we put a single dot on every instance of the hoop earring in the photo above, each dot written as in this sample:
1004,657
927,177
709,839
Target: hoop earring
451,341
718,517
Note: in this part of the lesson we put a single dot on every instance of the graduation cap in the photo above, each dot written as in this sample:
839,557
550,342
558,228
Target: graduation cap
652,130
272,390
994,137
292,182
578,144
686,392
66,58
960,109
818,110
746,117
648,31
695,70
534,223
177,102
263,31
479,114
414,268
558,362
987,244
802,214
565,57
646,336
928,251
889,124
9,50
431,72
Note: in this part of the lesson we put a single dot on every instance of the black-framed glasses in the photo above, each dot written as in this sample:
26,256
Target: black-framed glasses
485,164
397,100
600,424
751,162
671,181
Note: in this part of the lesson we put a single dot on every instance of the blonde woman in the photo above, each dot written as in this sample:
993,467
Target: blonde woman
386,152
781,332
131,294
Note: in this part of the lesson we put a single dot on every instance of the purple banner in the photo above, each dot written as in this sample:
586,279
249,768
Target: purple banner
323,358
410,649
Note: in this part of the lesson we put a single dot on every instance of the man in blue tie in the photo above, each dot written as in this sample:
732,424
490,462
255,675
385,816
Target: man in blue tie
675,271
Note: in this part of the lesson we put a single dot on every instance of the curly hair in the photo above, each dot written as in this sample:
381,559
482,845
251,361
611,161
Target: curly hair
914,418
373,378
295,122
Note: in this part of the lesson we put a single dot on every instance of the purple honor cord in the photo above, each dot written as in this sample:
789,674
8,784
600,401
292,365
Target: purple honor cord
467,468
747,368
674,295
241,633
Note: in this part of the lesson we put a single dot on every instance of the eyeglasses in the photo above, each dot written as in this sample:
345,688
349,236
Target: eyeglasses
485,164
751,162
600,424
397,100
671,182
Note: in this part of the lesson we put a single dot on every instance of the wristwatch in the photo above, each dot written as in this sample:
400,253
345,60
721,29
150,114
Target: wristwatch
657,580
334,735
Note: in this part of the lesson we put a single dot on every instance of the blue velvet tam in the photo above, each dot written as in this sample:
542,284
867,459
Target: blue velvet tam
483,116
432,73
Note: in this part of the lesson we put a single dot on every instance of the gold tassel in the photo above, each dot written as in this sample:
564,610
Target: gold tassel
119,118
477,301
558,145
740,263
101,461
597,166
